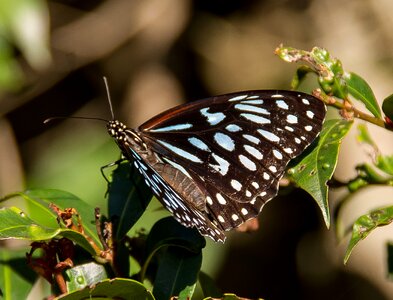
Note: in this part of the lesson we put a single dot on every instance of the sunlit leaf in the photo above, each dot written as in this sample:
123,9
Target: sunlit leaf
15,224
38,201
313,169
361,91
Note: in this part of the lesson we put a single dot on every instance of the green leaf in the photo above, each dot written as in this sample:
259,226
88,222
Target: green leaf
118,288
168,234
16,280
367,223
387,107
177,271
38,201
312,171
128,198
84,275
187,292
14,224
361,91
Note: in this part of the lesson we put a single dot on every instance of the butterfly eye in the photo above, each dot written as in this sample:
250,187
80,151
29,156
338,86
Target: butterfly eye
214,163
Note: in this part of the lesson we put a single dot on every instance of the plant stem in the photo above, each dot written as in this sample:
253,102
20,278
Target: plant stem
347,108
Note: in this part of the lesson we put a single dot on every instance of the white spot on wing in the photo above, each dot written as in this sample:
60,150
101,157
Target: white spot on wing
172,128
269,135
273,169
212,118
259,101
223,165
308,127
277,154
282,104
255,184
221,199
180,152
251,108
220,219
237,98
252,138
253,97
255,118
199,144
225,141
209,200
247,163
291,119
244,211
310,114
277,96
235,217
253,151
305,101
236,185
233,128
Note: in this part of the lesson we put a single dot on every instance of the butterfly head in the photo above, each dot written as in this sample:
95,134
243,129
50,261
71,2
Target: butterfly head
116,129
124,136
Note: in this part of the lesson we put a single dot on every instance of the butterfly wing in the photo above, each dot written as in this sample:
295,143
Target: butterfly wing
235,147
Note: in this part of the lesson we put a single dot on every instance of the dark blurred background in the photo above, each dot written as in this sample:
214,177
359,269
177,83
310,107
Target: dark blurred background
160,53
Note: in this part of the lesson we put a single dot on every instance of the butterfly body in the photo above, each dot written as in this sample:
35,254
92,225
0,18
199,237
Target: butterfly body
215,162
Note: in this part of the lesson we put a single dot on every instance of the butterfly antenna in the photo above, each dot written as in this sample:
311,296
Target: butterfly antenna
109,97
81,118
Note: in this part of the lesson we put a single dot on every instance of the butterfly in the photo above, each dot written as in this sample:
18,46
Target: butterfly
214,163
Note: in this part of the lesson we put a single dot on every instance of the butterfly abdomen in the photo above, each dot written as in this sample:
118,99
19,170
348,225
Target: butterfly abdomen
182,185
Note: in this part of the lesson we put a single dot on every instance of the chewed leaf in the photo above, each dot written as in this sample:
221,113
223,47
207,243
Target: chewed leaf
365,224
38,201
15,224
313,170
361,91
